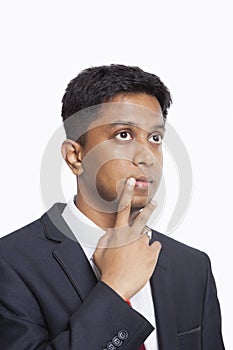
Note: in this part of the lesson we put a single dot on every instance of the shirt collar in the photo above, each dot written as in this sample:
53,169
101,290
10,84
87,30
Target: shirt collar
85,230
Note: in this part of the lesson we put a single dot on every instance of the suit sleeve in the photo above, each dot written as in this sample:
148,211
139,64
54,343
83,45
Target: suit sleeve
211,321
103,321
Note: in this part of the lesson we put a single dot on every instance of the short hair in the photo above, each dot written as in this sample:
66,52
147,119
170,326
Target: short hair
97,85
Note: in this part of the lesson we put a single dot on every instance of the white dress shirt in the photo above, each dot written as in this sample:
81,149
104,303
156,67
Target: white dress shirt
88,234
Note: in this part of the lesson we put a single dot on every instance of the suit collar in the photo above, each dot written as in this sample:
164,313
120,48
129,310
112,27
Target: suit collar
55,227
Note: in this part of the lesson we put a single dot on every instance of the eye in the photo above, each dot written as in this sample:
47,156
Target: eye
123,135
156,138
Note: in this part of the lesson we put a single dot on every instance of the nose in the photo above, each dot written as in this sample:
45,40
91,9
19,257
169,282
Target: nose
143,157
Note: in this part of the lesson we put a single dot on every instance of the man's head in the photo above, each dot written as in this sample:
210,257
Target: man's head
97,85
125,138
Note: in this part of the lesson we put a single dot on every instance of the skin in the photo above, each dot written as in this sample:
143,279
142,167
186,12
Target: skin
116,194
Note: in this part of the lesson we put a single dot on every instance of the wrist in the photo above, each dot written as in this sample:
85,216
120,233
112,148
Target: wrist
119,292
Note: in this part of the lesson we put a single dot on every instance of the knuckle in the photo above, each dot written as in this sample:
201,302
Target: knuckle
152,205
157,245
145,237
123,205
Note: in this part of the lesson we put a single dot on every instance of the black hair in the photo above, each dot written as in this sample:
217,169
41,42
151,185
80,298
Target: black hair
97,85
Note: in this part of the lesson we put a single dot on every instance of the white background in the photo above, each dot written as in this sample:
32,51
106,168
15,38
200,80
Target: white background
188,44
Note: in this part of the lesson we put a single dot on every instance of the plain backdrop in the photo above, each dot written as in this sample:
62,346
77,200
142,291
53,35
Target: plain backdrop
44,44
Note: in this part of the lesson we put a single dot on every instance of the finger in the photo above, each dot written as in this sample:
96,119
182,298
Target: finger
125,203
142,218
104,241
156,246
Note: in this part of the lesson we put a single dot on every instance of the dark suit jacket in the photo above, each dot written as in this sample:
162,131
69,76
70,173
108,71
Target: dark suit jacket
50,298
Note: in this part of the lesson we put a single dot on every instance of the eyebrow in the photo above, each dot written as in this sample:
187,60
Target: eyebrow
121,122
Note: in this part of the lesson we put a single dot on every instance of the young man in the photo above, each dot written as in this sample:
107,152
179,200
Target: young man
91,274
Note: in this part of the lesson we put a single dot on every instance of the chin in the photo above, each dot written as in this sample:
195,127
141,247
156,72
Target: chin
139,203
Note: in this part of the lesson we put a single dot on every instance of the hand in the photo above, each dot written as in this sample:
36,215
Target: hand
123,255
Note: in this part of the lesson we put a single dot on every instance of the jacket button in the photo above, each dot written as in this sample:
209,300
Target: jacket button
116,341
110,346
123,334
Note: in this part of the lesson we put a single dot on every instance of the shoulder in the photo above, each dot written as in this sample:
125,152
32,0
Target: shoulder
26,232
189,267
30,238
34,230
181,255
22,239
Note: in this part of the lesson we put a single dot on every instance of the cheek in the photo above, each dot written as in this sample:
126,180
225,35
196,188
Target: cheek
158,154
159,167
111,177
113,170
159,162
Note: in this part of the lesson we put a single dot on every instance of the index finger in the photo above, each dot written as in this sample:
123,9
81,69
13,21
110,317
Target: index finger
124,207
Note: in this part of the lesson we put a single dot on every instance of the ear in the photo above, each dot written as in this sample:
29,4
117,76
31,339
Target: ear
72,153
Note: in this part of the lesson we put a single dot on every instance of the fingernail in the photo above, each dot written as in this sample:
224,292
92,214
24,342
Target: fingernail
131,181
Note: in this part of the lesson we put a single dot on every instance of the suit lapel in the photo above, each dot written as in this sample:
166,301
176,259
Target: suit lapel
68,252
76,266
161,285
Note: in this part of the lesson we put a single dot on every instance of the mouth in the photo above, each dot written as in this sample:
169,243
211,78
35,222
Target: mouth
143,182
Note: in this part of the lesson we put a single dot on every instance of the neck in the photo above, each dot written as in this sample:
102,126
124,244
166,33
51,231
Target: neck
100,218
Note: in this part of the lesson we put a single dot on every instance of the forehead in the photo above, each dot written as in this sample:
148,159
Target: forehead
139,110
141,99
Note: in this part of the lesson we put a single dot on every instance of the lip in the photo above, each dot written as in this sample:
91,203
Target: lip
144,179
143,182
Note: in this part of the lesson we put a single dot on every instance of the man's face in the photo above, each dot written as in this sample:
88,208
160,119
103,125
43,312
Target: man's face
124,142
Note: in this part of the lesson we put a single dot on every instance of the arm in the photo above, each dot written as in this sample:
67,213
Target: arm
125,265
211,321
100,318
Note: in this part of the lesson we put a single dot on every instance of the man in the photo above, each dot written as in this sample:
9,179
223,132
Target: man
91,274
